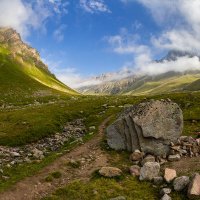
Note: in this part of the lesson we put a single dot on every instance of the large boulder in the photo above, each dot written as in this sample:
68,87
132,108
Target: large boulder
149,127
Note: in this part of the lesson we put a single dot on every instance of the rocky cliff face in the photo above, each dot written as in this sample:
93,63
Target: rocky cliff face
10,39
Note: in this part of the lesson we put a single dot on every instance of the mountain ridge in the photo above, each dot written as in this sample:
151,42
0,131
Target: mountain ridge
22,72
146,83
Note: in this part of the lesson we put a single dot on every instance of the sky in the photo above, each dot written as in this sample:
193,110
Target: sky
79,39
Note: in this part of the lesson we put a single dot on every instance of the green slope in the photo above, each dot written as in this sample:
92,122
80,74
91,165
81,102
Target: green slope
167,85
194,86
19,79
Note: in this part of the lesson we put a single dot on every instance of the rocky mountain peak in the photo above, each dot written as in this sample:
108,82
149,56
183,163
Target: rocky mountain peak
173,55
11,39
9,35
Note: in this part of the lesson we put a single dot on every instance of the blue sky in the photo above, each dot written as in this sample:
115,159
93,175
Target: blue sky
83,38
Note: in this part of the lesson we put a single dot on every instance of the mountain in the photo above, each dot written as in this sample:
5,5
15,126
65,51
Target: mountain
22,72
173,55
149,84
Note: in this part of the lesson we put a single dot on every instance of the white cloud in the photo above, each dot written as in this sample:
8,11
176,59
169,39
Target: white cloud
127,43
94,6
182,64
72,78
180,21
142,62
58,33
24,15
15,14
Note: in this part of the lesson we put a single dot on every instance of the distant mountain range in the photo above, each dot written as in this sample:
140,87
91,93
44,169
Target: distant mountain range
147,84
22,72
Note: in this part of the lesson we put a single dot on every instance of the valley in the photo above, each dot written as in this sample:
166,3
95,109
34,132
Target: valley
52,138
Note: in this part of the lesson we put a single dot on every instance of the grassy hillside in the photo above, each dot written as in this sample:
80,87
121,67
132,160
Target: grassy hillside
166,85
194,86
21,80
148,85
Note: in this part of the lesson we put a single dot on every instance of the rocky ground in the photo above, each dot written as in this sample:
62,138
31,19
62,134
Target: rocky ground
89,156
155,128
174,170
12,156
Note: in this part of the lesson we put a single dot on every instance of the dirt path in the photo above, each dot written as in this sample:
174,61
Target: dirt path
91,157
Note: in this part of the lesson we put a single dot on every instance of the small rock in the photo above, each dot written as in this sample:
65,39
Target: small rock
136,156
169,175
110,172
162,161
15,154
183,152
135,170
173,158
118,198
95,192
176,148
149,171
5,177
158,180
37,154
183,138
13,162
166,197
92,128
8,166
165,191
180,183
194,187
148,158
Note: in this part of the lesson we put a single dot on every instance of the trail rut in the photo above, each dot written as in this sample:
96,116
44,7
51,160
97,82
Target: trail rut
36,187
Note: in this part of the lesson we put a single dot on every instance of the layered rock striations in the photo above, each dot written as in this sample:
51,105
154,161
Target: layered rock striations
149,127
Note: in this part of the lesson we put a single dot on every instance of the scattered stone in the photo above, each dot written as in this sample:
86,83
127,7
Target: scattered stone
5,177
180,183
149,126
118,198
110,172
15,154
95,192
162,161
158,180
37,154
37,151
173,158
136,156
135,170
194,187
166,197
148,158
165,191
169,175
92,128
149,171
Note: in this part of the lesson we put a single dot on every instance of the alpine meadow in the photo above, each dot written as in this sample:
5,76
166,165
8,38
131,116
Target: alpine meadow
99,100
